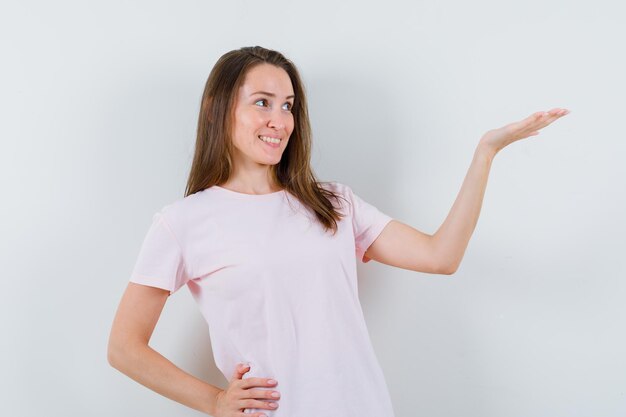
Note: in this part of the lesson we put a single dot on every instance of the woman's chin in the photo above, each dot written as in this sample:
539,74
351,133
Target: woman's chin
272,160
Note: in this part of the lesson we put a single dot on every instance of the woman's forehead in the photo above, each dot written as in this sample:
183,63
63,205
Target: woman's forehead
266,78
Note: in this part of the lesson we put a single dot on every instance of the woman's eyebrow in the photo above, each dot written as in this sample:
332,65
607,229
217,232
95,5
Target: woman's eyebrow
269,94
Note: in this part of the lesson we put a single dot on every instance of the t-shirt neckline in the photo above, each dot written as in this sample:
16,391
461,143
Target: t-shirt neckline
245,195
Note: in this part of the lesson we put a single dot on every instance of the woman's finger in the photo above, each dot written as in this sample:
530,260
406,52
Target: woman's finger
546,119
240,370
552,118
534,120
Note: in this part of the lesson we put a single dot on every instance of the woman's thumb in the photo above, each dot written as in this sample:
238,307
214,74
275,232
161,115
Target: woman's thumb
240,370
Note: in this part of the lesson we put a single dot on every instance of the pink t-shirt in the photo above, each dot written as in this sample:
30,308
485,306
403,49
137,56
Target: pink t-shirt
277,292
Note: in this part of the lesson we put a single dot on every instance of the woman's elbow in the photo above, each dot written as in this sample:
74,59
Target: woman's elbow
121,351
115,353
451,269
447,269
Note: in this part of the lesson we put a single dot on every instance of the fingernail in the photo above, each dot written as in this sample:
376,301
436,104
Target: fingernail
271,381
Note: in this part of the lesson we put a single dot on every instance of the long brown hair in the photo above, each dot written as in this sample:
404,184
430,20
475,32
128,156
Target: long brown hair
212,161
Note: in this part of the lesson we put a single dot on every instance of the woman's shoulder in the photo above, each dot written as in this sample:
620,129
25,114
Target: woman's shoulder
340,188
183,203
343,194
334,186
180,211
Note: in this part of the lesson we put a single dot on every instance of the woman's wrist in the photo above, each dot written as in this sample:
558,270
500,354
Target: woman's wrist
486,150
213,397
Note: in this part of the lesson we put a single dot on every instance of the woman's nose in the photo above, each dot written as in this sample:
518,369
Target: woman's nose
277,121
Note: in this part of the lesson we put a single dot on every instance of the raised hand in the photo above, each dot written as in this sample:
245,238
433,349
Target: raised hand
238,396
497,139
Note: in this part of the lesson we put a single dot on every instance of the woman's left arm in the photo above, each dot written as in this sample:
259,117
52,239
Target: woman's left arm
406,247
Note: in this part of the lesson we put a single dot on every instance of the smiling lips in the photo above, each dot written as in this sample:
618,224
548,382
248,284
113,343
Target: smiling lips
273,142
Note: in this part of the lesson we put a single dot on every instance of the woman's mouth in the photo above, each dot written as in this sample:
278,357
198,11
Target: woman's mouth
272,142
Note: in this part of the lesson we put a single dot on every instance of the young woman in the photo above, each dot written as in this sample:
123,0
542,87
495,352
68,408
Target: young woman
269,253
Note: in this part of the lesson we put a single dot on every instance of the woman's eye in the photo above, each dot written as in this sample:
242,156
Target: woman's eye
286,106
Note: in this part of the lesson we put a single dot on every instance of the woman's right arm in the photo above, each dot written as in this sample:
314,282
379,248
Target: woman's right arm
128,351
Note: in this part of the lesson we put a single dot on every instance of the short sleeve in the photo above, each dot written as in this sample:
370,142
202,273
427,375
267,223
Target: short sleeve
367,222
160,262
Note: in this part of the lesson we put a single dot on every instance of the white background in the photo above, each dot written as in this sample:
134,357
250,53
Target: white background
99,103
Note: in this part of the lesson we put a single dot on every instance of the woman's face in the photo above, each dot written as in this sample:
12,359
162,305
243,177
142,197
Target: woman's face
262,110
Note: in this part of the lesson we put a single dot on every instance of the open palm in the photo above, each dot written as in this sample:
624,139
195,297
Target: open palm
497,139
